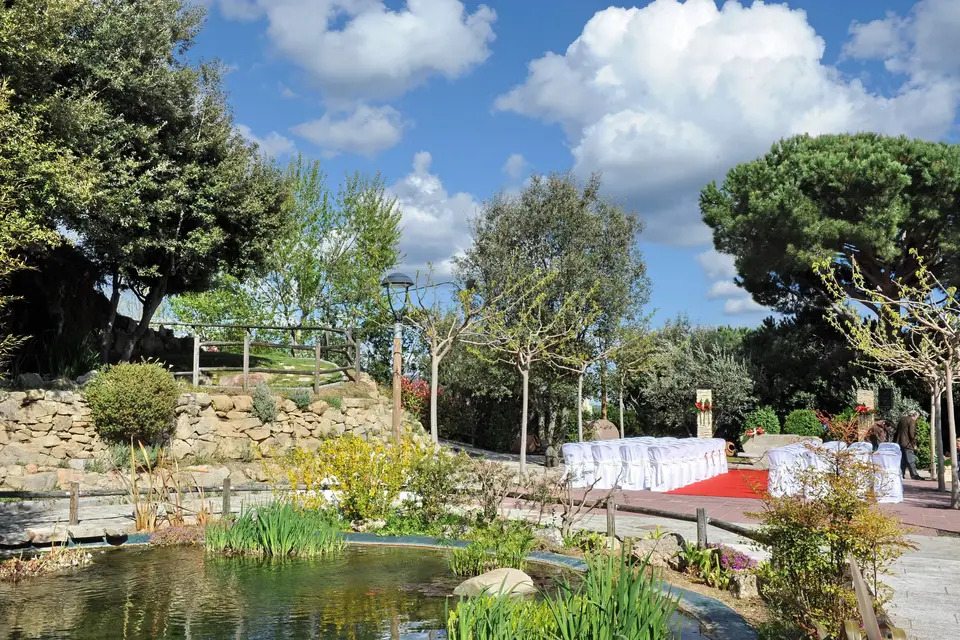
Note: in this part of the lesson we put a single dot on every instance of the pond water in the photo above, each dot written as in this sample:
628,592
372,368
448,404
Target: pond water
365,593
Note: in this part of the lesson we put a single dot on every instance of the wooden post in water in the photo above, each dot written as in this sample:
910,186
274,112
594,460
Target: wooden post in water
611,520
225,510
196,359
246,359
701,528
74,503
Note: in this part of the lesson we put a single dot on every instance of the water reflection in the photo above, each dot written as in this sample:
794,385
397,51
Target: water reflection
366,593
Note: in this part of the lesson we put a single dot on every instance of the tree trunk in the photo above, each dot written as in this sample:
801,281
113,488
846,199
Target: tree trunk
603,389
622,432
434,384
150,307
106,340
952,429
933,432
525,376
580,407
938,446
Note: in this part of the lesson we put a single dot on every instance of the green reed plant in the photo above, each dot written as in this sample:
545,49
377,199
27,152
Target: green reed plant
501,543
616,600
279,529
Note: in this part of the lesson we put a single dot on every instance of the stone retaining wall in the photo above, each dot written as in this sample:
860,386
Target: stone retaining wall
53,428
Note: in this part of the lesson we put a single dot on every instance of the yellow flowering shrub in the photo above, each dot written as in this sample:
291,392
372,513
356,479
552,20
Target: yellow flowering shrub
367,475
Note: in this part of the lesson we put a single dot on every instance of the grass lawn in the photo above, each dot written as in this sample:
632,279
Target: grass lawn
300,368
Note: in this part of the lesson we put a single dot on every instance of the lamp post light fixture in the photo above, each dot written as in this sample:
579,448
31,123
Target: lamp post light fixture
397,285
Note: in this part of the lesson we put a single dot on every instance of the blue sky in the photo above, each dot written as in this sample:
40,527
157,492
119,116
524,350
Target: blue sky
440,96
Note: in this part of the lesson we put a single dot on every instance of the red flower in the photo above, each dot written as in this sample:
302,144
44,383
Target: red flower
760,431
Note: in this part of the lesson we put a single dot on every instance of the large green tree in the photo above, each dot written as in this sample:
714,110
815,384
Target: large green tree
179,195
864,195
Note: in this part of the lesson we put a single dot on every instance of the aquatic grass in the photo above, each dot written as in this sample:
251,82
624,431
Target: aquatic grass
616,600
501,544
279,529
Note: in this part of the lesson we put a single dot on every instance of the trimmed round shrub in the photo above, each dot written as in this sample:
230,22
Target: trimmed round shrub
133,401
763,418
803,422
923,444
264,404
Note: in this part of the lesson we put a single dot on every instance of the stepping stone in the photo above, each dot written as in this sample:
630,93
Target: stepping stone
47,535
82,531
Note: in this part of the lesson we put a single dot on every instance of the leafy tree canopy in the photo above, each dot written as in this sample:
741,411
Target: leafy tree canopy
863,196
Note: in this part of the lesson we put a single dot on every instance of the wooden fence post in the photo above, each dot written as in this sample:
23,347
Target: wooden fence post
702,528
356,356
225,511
316,367
74,503
246,359
611,520
196,359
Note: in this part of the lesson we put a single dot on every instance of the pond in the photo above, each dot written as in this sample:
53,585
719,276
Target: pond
179,592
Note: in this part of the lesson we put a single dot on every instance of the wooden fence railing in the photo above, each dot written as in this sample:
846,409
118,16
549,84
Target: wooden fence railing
321,350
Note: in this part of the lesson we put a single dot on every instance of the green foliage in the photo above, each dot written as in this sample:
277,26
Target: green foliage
803,422
615,600
686,358
763,418
923,444
805,582
499,544
133,401
174,194
779,214
227,301
119,457
278,529
264,404
334,401
437,479
302,398
586,541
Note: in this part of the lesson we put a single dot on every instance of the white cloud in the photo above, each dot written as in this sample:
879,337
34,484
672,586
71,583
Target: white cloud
922,44
724,289
286,91
666,98
365,131
361,49
717,265
435,223
743,307
515,165
273,145
245,10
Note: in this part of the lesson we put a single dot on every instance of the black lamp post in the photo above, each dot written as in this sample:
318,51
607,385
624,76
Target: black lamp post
397,284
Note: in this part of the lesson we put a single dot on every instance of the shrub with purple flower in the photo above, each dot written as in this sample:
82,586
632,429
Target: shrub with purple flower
733,560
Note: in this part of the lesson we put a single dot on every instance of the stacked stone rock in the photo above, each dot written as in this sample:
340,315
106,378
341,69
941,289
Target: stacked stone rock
52,428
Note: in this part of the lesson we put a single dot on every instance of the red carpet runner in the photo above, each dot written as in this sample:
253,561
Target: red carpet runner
737,483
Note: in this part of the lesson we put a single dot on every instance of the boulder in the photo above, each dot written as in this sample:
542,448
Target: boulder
10,410
258,434
29,380
661,551
205,477
496,582
206,425
4,438
203,399
245,424
550,537
604,429
13,454
743,585
222,403
243,403
319,407
44,481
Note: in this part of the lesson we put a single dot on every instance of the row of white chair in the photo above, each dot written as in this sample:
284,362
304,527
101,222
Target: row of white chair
634,464
789,464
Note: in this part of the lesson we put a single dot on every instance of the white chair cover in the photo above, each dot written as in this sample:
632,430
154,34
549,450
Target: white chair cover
888,483
635,466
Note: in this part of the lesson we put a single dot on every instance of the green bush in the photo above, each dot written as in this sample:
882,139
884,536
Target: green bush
803,422
264,404
302,398
278,529
501,544
763,418
133,401
146,457
435,480
923,444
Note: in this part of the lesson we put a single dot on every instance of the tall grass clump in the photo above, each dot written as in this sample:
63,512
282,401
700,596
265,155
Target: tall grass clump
279,529
501,544
616,600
